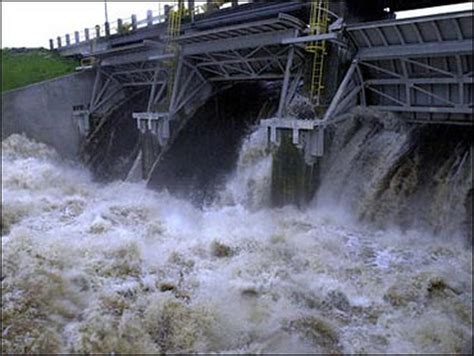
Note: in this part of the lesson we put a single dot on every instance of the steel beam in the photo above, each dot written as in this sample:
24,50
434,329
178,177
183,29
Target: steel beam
252,41
420,81
176,84
385,95
247,78
340,91
391,23
332,36
435,49
425,109
286,81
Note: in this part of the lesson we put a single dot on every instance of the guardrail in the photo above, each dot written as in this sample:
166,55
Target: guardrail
119,27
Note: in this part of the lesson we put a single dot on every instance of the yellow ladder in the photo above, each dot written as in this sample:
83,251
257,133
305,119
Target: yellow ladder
318,24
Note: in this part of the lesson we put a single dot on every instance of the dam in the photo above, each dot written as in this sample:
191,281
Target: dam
258,177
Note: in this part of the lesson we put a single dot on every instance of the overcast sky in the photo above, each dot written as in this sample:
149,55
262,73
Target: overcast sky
32,24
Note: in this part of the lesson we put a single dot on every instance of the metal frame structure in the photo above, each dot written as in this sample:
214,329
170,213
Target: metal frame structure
421,68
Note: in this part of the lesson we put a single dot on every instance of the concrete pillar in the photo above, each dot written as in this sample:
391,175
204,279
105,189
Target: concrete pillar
235,3
107,29
97,31
134,22
68,40
51,44
119,26
59,42
76,37
86,34
149,18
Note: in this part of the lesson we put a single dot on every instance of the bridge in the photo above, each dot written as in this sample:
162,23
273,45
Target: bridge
420,68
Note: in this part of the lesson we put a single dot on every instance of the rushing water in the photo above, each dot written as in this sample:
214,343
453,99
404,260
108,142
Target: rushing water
91,267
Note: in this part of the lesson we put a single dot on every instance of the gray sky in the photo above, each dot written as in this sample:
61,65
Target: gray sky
32,24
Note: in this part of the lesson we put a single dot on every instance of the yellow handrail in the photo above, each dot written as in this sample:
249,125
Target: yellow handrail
318,24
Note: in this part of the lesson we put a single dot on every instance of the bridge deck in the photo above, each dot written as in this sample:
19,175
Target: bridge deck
156,28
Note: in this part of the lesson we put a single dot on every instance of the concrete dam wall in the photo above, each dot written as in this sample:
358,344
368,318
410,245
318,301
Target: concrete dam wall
43,111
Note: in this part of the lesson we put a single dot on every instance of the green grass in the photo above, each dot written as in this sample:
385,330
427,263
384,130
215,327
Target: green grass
21,67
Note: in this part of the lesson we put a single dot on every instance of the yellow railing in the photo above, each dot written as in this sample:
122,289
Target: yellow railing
174,30
318,24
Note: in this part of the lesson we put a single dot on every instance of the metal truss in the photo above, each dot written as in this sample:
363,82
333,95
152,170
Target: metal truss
105,91
424,85
163,108
420,67
137,74
260,63
351,92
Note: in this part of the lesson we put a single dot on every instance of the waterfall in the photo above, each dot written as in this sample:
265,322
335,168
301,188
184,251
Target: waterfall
385,171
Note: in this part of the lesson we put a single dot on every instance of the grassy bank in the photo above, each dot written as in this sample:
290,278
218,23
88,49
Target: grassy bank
21,67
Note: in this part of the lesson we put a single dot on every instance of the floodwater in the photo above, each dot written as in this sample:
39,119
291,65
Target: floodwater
91,267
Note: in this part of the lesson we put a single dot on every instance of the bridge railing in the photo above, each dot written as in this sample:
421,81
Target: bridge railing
120,26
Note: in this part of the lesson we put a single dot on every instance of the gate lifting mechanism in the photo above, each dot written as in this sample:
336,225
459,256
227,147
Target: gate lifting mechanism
157,123
308,134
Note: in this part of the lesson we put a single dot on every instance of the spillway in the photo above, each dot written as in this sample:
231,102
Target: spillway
102,267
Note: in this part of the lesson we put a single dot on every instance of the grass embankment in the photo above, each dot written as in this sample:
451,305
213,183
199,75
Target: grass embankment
21,67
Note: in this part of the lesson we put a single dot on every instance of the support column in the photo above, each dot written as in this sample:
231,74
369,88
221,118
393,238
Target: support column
191,9
340,91
134,22
175,85
153,90
286,81
191,6
120,26
149,18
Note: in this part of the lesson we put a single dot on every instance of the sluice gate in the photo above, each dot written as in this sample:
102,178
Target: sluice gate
326,52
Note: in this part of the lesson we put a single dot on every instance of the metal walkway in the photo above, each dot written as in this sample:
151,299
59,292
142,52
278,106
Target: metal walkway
420,68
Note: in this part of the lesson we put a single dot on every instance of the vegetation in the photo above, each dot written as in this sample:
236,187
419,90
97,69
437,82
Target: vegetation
24,66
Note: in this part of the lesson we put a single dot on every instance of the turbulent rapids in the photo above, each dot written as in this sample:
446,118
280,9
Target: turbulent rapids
93,267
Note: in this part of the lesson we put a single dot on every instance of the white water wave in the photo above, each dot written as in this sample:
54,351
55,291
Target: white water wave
91,267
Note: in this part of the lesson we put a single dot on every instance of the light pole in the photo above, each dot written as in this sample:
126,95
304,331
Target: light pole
106,12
